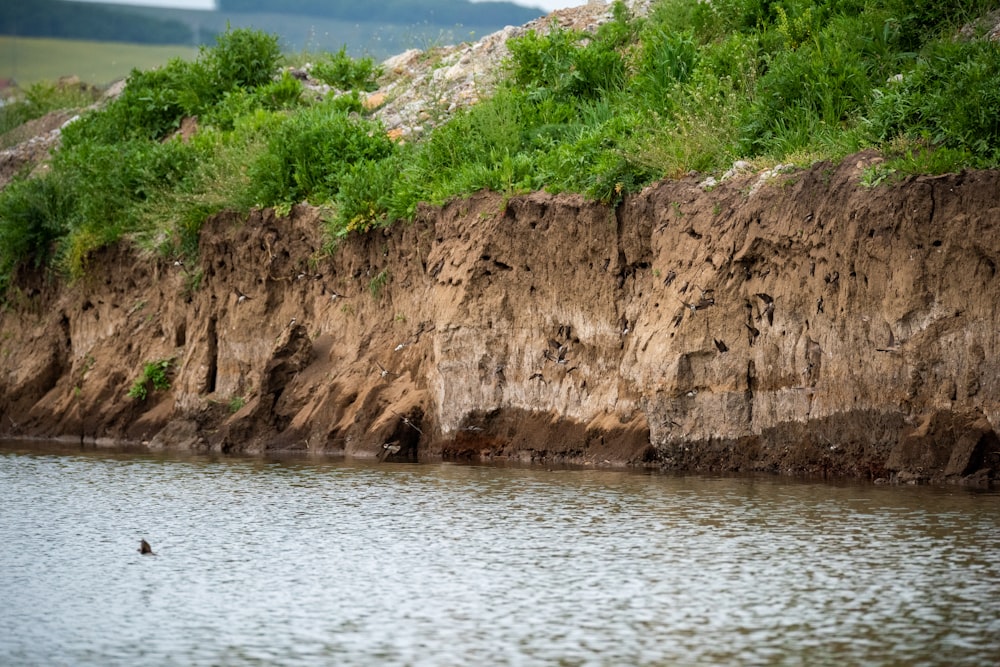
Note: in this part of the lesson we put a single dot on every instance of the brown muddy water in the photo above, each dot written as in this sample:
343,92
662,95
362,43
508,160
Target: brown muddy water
321,562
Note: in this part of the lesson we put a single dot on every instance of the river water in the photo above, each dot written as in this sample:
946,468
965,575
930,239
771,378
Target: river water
332,562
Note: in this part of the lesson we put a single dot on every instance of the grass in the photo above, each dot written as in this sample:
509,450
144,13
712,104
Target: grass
694,86
30,60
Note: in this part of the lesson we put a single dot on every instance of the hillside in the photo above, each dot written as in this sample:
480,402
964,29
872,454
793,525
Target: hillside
554,260
379,28
75,20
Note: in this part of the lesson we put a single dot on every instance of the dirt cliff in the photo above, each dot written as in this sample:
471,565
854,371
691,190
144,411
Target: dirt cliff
803,325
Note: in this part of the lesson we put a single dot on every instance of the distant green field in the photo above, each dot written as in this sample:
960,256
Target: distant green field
29,60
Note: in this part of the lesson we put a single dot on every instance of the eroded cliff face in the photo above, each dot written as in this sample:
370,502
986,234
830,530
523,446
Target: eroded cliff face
809,325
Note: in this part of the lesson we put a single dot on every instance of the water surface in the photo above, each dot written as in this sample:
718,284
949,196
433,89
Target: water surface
318,562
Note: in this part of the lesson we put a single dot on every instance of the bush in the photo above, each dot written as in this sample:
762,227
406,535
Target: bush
155,374
365,196
155,101
949,99
309,154
571,64
341,71
242,58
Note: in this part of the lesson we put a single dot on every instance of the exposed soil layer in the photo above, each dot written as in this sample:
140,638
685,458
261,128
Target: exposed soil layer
806,326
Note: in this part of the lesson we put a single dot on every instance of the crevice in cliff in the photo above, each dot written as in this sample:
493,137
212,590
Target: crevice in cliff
212,352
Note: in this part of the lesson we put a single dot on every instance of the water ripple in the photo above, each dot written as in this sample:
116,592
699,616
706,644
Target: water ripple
312,563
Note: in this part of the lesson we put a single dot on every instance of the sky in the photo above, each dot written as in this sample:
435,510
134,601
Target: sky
547,5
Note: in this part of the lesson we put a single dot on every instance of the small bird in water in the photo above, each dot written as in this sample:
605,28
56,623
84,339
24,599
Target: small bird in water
145,549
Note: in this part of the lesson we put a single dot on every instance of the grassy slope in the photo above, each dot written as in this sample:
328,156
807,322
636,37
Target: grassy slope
30,60
694,87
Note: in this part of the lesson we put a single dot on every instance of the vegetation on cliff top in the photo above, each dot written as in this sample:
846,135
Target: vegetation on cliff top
693,86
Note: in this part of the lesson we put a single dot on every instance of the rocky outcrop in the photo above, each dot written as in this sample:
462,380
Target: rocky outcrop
805,325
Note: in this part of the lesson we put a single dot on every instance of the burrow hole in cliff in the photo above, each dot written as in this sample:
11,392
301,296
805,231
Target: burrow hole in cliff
64,326
180,334
212,369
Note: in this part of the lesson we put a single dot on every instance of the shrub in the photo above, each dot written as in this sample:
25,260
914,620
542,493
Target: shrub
242,58
155,374
950,99
309,154
365,196
560,64
341,71
155,101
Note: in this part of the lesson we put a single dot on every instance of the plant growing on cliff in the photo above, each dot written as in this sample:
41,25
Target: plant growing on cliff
155,374
311,153
378,283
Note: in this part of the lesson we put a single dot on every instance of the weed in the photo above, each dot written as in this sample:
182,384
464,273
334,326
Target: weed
341,71
378,283
236,404
309,154
155,374
876,174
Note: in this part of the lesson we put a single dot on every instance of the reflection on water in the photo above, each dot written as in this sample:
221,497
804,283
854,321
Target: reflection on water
304,562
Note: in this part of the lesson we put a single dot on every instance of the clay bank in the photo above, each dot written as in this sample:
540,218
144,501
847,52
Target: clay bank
805,324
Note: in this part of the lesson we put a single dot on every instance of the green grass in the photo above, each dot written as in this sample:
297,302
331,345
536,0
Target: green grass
32,60
695,85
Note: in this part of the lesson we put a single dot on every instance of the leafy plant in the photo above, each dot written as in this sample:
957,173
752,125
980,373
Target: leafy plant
310,153
344,72
242,58
155,374
949,98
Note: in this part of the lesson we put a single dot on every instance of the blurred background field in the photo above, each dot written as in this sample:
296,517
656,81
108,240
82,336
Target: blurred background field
29,60
47,39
